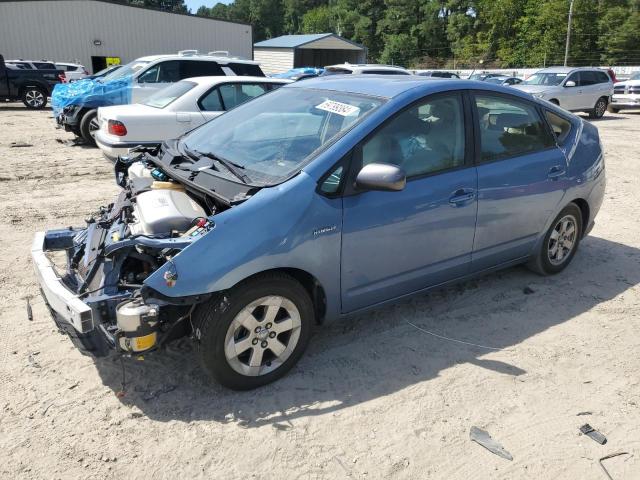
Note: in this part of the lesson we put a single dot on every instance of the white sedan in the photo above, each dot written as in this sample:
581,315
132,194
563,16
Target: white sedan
175,110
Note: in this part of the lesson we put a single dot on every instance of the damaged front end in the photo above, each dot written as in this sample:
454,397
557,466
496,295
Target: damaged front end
100,300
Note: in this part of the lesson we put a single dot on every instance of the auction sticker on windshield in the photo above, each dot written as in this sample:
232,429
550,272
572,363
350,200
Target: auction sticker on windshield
343,109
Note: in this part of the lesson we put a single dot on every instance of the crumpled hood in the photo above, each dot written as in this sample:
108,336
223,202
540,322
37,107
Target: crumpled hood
91,93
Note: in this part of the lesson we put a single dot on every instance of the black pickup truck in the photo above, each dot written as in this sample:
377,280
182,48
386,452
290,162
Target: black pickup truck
31,86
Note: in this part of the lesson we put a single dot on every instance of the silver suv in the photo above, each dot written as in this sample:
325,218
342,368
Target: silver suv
574,89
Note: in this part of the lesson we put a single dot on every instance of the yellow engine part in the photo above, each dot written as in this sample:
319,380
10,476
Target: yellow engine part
156,185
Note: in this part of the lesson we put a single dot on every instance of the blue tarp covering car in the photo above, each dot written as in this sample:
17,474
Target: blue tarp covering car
91,93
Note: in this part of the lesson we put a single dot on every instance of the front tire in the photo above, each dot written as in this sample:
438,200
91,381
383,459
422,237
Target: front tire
254,333
89,126
599,108
560,243
34,98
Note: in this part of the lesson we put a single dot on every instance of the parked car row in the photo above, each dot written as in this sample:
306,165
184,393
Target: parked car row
305,202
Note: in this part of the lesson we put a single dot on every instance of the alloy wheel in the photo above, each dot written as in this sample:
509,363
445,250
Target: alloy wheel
262,336
34,98
562,240
601,106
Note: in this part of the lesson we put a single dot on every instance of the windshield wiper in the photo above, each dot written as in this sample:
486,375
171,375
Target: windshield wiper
232,167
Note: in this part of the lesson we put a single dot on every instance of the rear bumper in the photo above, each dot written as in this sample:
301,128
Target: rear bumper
59,298
113,150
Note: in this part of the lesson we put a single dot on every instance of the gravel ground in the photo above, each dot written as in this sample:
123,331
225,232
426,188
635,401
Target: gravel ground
374,397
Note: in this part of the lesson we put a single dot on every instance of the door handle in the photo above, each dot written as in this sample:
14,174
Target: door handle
461,196
556,172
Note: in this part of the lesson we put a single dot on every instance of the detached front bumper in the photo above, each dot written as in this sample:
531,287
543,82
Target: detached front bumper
59,298
71,315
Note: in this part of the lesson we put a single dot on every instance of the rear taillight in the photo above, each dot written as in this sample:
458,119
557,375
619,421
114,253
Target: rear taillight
86,72
117,128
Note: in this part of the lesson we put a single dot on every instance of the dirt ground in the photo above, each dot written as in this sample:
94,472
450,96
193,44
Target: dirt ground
374,397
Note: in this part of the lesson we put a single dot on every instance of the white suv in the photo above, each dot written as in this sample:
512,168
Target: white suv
372,69
574,89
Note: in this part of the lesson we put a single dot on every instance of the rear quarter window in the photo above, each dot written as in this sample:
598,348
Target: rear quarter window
246,69
560,126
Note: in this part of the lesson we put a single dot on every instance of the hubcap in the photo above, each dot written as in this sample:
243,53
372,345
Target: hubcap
34,98
562,240
262,336
602,105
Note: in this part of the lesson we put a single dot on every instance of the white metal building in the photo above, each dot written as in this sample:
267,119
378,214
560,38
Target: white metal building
99,32
280,54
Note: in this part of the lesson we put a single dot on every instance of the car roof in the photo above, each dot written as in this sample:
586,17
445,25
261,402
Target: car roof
67,63
209,58
389,86
365,66
567,69
213,80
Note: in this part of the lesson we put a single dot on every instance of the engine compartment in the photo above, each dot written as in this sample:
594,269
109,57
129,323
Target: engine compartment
151,221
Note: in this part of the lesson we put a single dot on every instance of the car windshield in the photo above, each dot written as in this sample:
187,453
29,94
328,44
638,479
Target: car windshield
272,136
551,79
635,76
127,70
167,95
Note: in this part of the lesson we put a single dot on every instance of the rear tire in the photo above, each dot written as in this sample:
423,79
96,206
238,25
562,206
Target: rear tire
89,126
599,108
254,333
613,109
34,98
560,243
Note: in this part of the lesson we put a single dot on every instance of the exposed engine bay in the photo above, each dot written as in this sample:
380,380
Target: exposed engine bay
153,218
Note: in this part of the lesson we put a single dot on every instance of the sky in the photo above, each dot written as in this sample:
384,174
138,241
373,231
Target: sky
195,4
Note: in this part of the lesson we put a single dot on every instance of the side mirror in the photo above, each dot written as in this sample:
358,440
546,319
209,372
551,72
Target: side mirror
381,176
570,83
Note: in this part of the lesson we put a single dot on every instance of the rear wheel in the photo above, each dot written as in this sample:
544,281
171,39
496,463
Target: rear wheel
254,333
560,242
613,109
34,98
89,126
599,108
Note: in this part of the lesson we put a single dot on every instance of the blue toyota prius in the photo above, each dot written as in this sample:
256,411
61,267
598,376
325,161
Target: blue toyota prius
315,201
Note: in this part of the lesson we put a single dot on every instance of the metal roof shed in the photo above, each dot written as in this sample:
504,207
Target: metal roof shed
280,54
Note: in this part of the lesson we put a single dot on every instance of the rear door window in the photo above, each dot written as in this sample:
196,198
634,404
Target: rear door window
588,78
211,101
195,68
509,128
234,94
602,77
